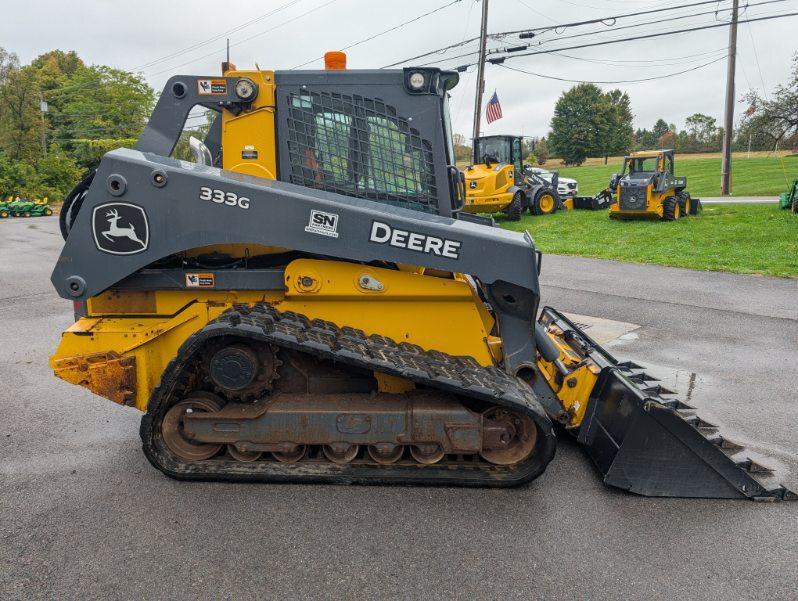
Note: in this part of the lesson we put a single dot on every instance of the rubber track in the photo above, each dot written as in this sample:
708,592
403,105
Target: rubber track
462,376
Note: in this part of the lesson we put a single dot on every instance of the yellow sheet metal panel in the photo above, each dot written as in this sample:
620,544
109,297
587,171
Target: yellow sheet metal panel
573,390
122,357
248,139
434,313
487,188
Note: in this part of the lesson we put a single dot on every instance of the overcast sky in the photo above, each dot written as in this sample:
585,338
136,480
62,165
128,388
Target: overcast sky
160,38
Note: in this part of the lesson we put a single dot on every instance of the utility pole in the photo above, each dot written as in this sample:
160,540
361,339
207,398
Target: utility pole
483,38
728,119
43,109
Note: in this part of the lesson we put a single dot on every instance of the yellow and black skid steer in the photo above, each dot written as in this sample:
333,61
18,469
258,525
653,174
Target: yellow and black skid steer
306,302
648,189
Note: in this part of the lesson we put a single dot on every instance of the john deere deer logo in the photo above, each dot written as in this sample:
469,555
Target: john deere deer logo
120,228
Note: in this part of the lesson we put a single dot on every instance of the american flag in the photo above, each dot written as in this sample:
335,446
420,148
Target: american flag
494,108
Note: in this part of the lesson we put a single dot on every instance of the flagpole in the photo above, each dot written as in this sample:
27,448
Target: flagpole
483,35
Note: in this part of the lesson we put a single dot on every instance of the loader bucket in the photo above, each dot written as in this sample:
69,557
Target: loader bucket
645,441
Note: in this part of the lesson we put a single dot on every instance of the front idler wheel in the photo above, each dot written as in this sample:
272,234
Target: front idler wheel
516,436
174,435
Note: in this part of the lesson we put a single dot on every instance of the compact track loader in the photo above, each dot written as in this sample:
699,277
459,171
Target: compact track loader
497,182
648,189
307,302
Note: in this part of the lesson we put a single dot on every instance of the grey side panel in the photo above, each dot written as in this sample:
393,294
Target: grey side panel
180,94
279,214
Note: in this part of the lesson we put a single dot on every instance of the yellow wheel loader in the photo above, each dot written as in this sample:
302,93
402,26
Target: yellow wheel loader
306,302
648,189
497,181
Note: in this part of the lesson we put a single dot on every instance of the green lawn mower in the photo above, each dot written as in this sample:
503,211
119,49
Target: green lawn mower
25,207
789,200
4,211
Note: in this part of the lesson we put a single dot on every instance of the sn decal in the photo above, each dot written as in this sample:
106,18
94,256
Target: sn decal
323,223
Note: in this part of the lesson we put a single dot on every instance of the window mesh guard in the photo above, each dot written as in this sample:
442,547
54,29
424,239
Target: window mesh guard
359,147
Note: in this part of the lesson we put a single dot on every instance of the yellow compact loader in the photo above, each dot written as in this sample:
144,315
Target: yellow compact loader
497,181
306,302
648,189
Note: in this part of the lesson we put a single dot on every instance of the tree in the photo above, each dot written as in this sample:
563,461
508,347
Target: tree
8,62
20,119
100,103
91,111
644,139
701,135
16,177
57,63
56,173
577,127
542,151
619,135
777,116
588,122
462,151
528,145
667,140
702,128
660,129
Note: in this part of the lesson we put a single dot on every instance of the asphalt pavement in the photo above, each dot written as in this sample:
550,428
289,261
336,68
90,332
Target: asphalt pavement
84,516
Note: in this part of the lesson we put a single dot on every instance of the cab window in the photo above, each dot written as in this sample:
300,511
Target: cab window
644,165
495,150
359,147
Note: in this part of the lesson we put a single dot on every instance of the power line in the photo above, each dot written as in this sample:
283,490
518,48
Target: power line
640,37
465,33
563,26
412,58
174,67
252,37
662,62
217,37
758,66
612,19
376,35
537,12
617,80
602,31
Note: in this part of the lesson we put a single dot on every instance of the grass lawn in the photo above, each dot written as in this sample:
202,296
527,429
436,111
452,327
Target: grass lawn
757,176
760,239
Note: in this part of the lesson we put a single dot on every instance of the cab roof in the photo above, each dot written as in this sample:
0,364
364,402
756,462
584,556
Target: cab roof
650,153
